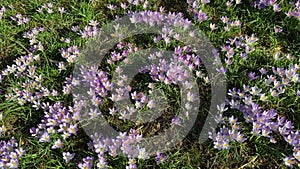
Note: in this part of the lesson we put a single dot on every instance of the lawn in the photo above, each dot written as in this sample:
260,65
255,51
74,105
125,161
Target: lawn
149,84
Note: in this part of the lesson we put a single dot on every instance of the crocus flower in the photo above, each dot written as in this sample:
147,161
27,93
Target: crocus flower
67,156
160,157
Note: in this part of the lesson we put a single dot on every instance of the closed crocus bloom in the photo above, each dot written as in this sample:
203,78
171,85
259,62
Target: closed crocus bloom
1,116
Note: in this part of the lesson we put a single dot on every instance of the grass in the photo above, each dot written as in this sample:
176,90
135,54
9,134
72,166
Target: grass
256,152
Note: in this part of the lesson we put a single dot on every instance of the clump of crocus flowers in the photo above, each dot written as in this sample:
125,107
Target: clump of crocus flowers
10,153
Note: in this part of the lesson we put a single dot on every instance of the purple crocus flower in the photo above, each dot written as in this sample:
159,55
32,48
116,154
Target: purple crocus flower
277,29
289,161
252,76
67,156
176,120
161,157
